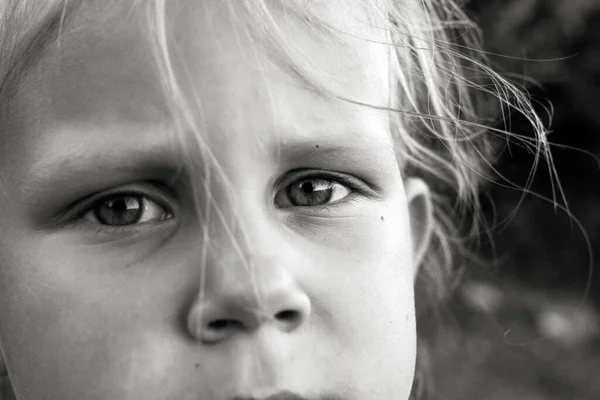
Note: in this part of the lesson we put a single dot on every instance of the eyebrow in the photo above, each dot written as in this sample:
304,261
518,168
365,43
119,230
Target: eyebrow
160,157
346,154
159,162
108,168
39,41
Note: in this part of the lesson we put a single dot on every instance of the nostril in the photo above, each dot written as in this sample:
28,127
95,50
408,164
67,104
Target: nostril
287,316
221,324
216,321
217,330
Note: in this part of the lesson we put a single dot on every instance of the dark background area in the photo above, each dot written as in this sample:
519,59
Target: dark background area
564,37
527,325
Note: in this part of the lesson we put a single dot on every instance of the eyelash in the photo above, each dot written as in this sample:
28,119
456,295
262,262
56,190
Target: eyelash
142,192
355,187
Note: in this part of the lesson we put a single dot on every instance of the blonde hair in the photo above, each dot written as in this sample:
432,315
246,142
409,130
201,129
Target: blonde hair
447,100
441,114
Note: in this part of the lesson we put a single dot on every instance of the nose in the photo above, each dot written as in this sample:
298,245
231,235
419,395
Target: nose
238,300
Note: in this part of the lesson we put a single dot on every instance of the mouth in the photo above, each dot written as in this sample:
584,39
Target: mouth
287,395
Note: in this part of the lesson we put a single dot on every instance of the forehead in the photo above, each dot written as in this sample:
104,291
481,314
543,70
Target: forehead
103,67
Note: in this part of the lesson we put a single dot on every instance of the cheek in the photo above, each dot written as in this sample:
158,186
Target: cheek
363,288
70,313
377,274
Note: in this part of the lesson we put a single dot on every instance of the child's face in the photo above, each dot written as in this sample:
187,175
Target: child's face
102,249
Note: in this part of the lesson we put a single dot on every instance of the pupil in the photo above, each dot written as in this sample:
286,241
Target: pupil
307,187
120,211
119,205
309,193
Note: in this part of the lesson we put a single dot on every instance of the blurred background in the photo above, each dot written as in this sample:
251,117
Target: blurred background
528,326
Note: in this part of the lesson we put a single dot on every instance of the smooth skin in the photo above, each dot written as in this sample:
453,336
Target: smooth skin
315,299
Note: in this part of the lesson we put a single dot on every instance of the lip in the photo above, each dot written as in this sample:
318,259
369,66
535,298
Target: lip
287,395
284,395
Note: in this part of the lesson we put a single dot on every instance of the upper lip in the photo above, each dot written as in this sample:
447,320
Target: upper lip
287,395
284,395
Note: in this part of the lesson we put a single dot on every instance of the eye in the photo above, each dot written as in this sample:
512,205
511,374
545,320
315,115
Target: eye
126,209
312,192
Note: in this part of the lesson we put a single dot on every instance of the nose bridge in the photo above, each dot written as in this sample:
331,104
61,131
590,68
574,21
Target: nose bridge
248,276
249,282
245,254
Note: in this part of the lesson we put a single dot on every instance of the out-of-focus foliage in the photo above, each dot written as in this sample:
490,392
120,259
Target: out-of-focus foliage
512,343
543,30
552,41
